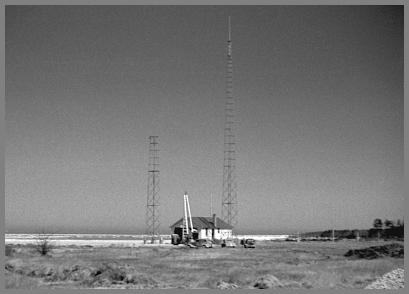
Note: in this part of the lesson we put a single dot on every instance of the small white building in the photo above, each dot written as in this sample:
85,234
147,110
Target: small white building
211,228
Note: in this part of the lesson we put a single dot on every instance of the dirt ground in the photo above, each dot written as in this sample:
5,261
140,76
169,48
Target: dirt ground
270,264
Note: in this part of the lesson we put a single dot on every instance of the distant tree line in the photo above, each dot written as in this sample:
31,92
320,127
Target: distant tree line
344,234
387,229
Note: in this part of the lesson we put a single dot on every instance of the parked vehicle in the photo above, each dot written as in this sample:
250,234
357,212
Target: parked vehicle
228,243
248,243
204,243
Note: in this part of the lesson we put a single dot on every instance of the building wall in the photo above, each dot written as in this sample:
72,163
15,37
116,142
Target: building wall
218,234
203,235
223,234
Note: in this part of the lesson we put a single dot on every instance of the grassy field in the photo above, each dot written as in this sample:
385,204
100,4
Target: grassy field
295,265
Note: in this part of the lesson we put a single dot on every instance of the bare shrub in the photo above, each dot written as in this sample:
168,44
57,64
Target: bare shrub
43,244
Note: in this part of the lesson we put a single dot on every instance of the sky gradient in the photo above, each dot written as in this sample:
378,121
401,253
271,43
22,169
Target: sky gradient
319,111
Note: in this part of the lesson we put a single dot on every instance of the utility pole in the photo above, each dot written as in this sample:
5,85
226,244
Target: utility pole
211,204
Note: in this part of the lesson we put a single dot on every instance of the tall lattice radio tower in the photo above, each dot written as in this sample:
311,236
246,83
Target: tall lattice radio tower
229,197
152,205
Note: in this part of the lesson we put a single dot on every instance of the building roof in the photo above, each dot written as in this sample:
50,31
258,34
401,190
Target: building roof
203,222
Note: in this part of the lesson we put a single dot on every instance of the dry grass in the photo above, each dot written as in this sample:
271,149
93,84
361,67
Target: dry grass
296,265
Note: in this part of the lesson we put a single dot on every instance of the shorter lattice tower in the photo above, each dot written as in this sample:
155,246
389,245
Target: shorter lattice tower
152,205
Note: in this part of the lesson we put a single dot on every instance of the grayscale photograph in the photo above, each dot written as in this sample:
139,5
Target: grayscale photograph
204,147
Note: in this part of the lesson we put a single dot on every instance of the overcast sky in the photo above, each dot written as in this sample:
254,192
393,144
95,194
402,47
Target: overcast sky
319,111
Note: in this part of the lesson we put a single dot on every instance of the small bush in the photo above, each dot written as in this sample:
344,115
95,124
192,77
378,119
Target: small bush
14,265
306,284
9,250
224,285
267,282
393,250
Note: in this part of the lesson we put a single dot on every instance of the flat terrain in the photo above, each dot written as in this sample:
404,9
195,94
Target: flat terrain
295,265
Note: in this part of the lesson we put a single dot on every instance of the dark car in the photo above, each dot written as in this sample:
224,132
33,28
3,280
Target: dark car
204,243
248,243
